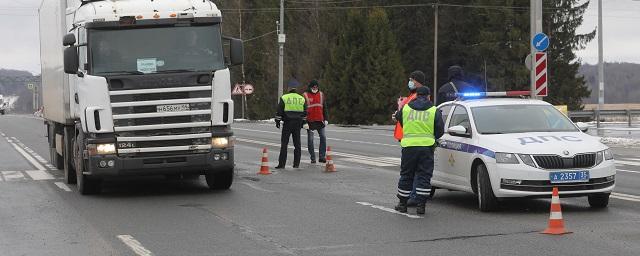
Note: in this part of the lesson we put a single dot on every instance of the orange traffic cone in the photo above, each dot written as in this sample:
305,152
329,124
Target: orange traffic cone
264,168
329,167
556,223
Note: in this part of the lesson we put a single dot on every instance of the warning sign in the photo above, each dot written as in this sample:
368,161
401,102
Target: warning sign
239,88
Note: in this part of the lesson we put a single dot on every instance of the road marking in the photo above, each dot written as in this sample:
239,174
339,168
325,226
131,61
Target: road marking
256,187
389,210
620,170
343,140
134,245
367,160
363,161
40,175
63,186
13,175
25,154
625,197
618,162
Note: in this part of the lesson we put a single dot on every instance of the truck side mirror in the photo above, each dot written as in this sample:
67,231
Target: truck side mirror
237,52
71,60
69,39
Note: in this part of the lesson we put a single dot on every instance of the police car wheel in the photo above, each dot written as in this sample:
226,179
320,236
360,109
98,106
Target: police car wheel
487,201
599,201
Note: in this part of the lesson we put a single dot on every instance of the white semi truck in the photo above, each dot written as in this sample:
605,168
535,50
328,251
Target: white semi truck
137,87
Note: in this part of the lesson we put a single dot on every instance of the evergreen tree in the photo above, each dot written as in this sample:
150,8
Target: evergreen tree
561,20
365,73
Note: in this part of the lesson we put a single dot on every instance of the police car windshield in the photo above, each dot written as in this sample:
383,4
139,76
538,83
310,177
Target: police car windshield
520,118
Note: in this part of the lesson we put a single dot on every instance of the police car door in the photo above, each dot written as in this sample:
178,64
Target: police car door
441,154
458,159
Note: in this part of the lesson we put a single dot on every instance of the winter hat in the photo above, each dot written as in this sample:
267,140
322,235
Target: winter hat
418,76
314,83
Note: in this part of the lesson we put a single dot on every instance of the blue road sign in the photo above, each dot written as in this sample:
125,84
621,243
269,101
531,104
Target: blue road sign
540,42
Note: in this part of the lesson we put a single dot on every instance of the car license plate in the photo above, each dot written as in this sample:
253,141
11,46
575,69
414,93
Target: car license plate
567,177
173,108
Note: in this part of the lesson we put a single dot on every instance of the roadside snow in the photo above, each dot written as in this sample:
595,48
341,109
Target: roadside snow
625,142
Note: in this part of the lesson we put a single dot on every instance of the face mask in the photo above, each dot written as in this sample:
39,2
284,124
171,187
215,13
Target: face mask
411,85
314,90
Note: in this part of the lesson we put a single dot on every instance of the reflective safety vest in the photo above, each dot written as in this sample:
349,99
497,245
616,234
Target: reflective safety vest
315,105
418,127
293,102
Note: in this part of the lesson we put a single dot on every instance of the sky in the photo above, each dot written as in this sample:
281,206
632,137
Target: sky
19,46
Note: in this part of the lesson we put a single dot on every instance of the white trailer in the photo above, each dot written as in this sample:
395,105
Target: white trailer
137,87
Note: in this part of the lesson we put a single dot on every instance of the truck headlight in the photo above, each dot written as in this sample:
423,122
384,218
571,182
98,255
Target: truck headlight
506,158
101,149
220,142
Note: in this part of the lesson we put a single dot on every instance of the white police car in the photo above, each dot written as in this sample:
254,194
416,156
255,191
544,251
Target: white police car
505,147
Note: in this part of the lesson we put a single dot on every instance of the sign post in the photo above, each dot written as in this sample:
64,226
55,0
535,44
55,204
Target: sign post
541,74
536,28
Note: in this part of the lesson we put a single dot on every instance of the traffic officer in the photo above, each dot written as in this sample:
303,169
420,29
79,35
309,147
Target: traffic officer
456,84
292,110
422,125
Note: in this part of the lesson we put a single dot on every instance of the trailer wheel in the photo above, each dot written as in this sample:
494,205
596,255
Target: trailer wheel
221,180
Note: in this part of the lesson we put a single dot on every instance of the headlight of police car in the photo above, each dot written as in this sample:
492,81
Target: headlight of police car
527,159
506,158
608,155
220,142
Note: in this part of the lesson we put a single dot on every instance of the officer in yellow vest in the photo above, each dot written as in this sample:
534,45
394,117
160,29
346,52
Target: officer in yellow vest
292,110
422,125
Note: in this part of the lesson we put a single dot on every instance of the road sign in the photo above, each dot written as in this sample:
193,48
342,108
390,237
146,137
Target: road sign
30,86
237,90
248,89
540,42
541,74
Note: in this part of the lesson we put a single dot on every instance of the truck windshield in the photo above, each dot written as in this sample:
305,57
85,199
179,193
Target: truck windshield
156,50
520,118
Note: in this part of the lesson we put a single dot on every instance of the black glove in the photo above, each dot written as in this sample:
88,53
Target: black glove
278,124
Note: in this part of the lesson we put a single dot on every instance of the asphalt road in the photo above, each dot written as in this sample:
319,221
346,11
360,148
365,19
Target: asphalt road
291,212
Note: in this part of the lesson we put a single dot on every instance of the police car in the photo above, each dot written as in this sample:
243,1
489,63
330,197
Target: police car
514,147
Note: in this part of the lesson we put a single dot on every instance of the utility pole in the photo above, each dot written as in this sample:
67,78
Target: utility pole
535,10
600,67
435,53
244,96
281,40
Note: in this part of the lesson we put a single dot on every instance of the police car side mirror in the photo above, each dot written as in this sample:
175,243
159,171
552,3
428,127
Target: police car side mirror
582,126
457,130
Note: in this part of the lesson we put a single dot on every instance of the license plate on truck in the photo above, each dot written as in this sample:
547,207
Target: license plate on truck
568,177
173,108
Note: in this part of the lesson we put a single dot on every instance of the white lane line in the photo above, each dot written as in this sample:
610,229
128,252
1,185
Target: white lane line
13,175
620,170
343,140
40,175
25,154
363,161
134,245
618,162
625,198
625,195
256,187
377,160
63,186
389,210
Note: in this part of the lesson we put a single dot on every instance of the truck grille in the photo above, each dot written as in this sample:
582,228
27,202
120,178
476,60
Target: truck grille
558,162
141,130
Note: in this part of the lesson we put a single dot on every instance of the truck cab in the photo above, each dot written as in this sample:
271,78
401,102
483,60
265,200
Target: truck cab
145,89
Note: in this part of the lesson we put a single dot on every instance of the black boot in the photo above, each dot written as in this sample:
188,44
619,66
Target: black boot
402,205
420,208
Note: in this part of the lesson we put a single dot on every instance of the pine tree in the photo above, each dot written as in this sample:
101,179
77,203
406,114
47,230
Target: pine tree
561,20
365,72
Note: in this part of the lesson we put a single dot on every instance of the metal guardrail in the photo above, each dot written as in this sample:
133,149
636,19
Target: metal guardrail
629,113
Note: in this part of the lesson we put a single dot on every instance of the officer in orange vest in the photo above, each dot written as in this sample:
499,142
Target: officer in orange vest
317,120
416,80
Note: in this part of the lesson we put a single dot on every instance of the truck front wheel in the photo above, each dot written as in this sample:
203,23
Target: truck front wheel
220,180
86,185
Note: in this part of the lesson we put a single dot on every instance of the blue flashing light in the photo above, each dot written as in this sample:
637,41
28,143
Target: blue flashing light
472,94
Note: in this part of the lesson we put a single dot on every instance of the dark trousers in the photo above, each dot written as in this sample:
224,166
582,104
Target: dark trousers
290,128
416,168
